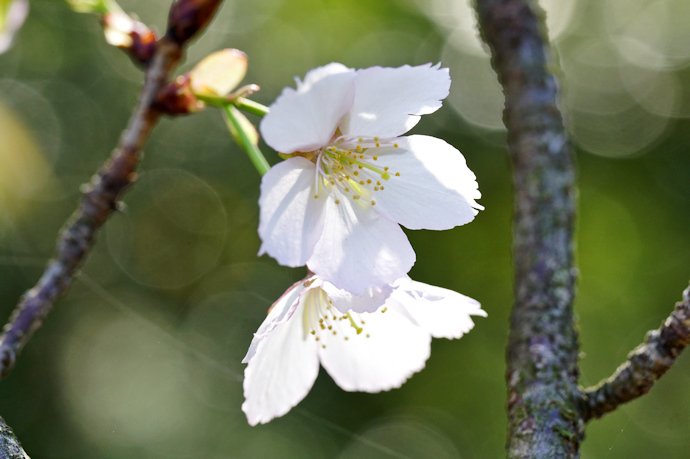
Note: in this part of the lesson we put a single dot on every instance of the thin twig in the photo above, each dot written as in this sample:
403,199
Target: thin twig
101,195
646,363
542,351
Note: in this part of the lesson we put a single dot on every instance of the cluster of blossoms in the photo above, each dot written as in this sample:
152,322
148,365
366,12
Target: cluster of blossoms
350,179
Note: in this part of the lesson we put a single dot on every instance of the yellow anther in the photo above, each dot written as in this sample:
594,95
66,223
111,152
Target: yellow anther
386,168
378,144
347,190
361,182
384,309
313,332
355,197
334,332
397,174
337,201
361,140
376,188
330,327
346,338
332,182
373,203
395,145
323,346
359,149
376,139
378,183
367,335
316,196
356,172
317,338
381,187
376,158
361,156
323,327
368,180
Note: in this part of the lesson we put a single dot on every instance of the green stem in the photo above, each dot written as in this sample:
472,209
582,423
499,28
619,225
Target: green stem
246,105
257,158
250,106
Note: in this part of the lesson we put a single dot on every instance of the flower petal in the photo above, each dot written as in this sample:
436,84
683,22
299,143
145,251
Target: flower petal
305,119
344,301
14,16
358,249
441,312
290,220
384,355
389,101
279,312
434,189
281,373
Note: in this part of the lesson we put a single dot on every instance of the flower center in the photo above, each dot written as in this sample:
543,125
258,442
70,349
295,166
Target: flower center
352,167
324,322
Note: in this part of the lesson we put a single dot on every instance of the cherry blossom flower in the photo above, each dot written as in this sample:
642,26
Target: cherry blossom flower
12,16
369,352
337,203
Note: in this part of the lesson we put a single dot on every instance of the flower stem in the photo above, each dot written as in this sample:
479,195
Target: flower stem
250,106
256,157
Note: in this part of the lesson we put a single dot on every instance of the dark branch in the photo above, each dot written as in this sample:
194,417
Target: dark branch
542,371
99,200
646,363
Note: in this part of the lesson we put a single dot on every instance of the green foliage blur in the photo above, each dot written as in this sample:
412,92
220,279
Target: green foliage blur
142,358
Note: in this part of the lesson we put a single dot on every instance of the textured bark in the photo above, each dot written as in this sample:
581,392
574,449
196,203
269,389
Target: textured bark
101,195
543,397
9,445
647,363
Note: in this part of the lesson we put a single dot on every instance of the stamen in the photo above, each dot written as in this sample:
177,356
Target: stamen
354,325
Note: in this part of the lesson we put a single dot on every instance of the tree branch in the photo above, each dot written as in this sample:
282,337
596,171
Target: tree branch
9,445
100,196
646,363
543,398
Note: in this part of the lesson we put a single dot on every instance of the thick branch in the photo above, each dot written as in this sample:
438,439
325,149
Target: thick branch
100,196
9,445
542,351
646,363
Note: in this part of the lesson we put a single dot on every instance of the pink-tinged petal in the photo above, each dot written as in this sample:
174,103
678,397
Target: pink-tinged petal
15,15
389,349
389,101
344,301
430,185
281,373
306,119
358,249
291,219
441,312
280,312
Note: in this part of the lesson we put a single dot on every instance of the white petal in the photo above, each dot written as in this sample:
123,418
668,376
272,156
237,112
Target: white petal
344,301
315,75
281,373
358,249
435,189
281,311
389,101
441,312
384,355
305,119
291,219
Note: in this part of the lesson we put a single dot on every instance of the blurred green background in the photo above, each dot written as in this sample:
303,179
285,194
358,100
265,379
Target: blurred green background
142,358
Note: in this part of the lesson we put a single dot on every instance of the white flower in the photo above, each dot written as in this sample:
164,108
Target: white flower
367,352
336,204
12,15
